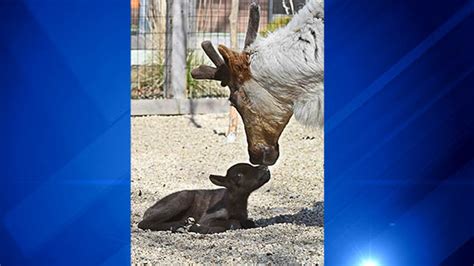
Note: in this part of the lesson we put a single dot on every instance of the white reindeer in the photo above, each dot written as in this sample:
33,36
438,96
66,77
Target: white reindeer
274,78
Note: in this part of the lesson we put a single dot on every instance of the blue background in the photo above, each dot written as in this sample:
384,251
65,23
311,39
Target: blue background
65,137
399,151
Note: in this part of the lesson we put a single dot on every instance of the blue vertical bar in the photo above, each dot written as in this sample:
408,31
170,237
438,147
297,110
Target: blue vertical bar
399,132
65,108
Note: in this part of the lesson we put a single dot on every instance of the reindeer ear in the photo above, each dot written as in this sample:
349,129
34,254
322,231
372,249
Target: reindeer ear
227,54
218,180
238,64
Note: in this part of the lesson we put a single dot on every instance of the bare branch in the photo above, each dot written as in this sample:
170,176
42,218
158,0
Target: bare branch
252,27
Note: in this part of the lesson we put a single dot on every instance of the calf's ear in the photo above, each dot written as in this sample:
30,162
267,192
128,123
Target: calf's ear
218,180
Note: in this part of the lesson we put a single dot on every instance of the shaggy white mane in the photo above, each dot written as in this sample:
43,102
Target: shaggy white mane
288,68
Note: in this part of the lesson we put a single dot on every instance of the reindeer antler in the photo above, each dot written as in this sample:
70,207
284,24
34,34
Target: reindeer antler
221,71
252,26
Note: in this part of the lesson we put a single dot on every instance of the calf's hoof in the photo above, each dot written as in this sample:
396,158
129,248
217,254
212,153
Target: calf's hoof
247,224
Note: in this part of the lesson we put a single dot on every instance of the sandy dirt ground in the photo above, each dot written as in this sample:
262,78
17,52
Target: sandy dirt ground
172,153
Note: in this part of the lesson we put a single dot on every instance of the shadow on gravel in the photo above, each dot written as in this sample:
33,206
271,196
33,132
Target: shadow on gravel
192,110
309,217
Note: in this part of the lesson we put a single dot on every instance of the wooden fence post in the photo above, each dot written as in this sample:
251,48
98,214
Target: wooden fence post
176,46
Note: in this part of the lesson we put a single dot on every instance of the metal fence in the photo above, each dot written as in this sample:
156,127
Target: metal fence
155,41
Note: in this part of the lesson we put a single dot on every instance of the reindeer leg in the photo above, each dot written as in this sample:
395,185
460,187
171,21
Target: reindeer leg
216,226
233,121
167,212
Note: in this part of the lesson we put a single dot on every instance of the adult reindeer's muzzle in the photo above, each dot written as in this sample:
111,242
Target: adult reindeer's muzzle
263,133
264,155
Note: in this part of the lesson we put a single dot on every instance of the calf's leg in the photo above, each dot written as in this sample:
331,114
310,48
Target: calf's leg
216,226
203,229
165,214
164,226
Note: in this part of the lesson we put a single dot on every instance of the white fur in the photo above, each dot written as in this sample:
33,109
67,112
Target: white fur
287,68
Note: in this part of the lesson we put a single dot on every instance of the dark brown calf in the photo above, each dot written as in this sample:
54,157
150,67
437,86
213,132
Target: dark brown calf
213,211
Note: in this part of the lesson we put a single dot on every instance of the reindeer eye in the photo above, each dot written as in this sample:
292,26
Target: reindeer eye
238,178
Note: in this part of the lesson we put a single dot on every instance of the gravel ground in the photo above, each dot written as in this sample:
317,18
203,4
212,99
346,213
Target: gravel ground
172,153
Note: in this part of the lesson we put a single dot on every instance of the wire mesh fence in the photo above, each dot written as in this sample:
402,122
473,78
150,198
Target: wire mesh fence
152,43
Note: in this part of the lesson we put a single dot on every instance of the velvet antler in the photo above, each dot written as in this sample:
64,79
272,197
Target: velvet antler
221,71
252,26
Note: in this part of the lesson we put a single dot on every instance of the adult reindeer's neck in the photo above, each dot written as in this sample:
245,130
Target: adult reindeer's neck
265,102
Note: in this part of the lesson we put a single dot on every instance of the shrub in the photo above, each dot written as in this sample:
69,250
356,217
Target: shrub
275,24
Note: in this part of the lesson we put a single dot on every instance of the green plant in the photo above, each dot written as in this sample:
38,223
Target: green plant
148,80
275,24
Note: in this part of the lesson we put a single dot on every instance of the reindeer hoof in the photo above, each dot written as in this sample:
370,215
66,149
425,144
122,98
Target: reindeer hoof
231,137
190,221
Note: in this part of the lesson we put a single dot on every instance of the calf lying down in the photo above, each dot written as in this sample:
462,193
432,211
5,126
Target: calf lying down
209,211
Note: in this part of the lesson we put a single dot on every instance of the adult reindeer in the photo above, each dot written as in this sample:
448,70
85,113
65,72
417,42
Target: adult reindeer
273,78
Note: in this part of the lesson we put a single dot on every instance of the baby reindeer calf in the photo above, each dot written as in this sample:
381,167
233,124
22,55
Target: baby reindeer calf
213,210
